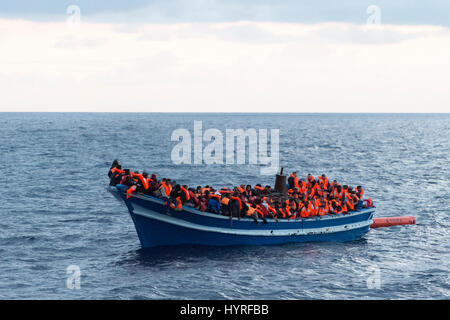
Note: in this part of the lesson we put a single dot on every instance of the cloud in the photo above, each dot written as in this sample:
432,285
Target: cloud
229,66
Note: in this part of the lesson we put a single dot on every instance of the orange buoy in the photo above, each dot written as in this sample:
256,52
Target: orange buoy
392,221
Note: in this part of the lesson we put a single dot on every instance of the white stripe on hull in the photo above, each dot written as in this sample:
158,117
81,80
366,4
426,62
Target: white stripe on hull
142,211
216,216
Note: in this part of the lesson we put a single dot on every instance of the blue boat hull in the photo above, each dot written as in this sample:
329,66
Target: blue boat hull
158,225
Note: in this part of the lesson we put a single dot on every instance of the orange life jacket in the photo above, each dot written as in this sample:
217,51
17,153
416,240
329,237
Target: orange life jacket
142,179
167,188
238,200
130,191
251,210
186,193
224,191
325,181
295,181
361,193
117,170
213,195
350,205
179,205
307,211
271,209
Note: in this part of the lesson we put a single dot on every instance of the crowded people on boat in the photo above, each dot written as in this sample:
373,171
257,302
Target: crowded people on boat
304,199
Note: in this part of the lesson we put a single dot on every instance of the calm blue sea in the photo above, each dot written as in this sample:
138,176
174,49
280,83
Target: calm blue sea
55,211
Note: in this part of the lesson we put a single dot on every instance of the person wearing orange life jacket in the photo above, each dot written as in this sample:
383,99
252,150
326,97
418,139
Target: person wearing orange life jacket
368,203
142,182
309,179
316,204
307,210
288,209
345,190
175,198
153,185
126,178
271,212
115,174
236,205
312,191
323,207
358,203
293,209
193,200
206,188
323,179
321,189
260,209
130,191
263,208
117,169
180,196
249,192
165,189
329,202
359,192
239,189
281,213
337,207
334,184
251,212
176,204
213,203
224,205
344,205
293,181
338,193
259,188
112,170
184,194
349,205
315,209
267,190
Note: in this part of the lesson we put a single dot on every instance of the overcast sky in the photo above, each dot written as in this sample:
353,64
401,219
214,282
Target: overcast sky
222,55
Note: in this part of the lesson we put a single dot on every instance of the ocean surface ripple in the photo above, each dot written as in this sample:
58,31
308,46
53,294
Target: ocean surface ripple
55,211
